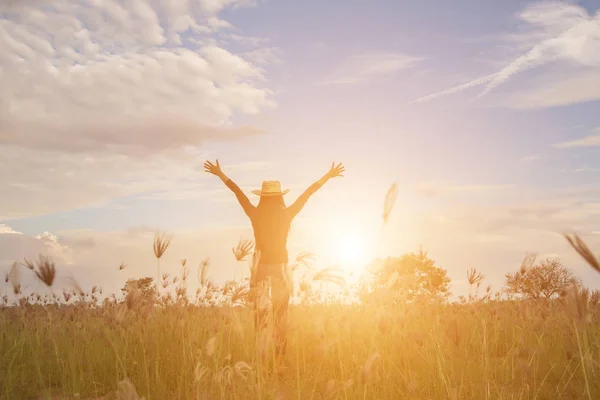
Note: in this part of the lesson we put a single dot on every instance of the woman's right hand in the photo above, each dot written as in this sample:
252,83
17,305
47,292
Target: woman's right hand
214,169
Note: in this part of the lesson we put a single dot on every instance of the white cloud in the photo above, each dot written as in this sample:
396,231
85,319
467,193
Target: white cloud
571,34
187,190
7,230
555,90
89,89
251,40
556,32
264,56
531,158
587,169
15,246
364,67
459,88
588,141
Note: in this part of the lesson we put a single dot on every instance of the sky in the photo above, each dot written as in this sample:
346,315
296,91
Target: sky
486,114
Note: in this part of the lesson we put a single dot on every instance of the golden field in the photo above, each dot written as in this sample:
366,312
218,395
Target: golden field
478,350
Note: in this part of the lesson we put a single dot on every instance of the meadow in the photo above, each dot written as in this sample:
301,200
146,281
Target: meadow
175,349
160,342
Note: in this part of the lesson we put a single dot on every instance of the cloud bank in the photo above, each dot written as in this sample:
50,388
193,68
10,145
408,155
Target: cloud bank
90,89
554,32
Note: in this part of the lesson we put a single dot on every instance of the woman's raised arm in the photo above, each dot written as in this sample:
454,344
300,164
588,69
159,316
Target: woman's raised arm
215,169
336,170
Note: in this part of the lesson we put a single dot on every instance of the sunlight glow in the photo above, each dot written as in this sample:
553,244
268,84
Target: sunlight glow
350,252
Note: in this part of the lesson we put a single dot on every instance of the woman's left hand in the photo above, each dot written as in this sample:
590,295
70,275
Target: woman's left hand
336,170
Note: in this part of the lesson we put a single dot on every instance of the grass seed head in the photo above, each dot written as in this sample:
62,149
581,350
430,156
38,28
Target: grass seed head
242,369
390,200
28,264
46,270
162,240
595,297
13,277
528,262
306,259
332,275
578,300
579,245
72,283
474,277
239,294
200,372
202,268
243,249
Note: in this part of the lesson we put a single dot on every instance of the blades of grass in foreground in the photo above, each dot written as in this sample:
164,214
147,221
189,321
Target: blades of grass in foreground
390,200
579,245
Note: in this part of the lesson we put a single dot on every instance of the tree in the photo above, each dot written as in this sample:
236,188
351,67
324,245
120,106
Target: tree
144,285
547,279
410,277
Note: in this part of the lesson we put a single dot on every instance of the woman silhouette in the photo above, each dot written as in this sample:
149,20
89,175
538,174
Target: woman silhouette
271,221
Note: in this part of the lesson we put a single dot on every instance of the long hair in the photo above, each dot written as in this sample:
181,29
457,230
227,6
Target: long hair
270,213
271,202
270,207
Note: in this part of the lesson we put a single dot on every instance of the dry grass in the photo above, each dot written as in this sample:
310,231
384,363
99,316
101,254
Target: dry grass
162,240
390,200
243,249
579,245
162,347
499,350
46,270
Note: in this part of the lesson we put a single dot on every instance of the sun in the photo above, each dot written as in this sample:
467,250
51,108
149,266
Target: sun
350,252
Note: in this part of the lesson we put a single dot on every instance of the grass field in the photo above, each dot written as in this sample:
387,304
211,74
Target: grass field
492,350
176,347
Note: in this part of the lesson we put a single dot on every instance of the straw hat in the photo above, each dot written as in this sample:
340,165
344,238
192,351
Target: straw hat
270,188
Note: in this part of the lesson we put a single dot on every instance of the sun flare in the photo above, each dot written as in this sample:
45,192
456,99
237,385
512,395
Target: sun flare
350,252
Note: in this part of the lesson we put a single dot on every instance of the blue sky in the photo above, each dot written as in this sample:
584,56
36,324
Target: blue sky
485,114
